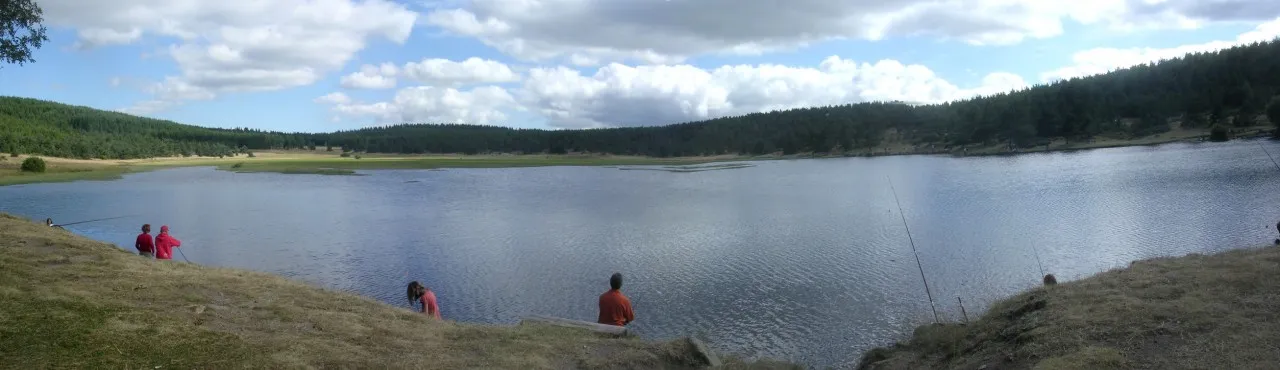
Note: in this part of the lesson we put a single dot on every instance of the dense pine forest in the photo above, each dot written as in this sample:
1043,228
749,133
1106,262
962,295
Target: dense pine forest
1232,87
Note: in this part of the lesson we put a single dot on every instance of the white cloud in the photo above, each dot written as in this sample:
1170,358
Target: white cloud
444,72
177,89
588,32
620,95
95,37
439,101
147,107
334,98
238,45
1201,11
428,104
431,72
372,77
1103,60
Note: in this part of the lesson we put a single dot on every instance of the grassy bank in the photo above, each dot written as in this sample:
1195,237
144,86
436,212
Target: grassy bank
57,171
66,301
1196,312
315,162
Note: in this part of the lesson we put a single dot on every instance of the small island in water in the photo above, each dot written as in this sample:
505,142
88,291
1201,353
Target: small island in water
690,168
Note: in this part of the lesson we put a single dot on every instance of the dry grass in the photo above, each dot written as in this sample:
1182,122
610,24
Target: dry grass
68,302
1195,312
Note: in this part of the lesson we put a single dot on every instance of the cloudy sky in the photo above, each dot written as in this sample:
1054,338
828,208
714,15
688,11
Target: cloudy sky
321,65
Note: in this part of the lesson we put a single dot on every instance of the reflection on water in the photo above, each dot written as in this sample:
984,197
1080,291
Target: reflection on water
804,261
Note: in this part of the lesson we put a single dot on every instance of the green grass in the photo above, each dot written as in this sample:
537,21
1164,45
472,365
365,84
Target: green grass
69,302
13,176
1195,312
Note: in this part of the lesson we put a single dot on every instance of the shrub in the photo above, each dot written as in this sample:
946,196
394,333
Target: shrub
237,165
251,155
33,164
344,155
1219,133
357,156
14,154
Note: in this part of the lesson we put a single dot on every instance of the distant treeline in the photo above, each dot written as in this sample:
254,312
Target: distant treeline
1231,87
47,128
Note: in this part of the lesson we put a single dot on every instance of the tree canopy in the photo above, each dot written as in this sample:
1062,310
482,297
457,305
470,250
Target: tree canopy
1227,87
20,31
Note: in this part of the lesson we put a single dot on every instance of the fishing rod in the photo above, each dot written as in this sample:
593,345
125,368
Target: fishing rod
932,306
184,255
100,219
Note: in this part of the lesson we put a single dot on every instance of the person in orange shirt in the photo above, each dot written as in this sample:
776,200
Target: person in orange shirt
615,308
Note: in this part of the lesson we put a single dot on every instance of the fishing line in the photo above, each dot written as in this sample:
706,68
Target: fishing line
100,219
1036,252
932,306
1273,159
184,255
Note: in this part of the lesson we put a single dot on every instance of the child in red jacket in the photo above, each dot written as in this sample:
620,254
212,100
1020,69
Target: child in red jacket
146,246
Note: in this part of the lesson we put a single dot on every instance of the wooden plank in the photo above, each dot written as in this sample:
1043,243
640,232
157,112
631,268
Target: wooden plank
596,327
712,358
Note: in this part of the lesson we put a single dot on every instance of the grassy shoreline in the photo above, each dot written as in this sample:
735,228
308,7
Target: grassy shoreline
1192,312
319,163
67,301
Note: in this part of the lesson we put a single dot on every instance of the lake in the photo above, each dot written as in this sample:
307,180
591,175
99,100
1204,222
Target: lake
799,260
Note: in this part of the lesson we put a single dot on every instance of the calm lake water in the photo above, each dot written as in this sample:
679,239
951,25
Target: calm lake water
803,260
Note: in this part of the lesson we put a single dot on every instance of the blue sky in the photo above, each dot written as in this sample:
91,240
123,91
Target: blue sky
180,63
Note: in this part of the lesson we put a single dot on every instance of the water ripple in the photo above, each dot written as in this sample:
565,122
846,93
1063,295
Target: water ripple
804,261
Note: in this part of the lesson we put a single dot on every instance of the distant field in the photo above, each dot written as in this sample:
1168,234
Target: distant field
57,171
318,162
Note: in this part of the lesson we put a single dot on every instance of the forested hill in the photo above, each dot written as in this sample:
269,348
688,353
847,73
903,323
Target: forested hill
40,127
1229,87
